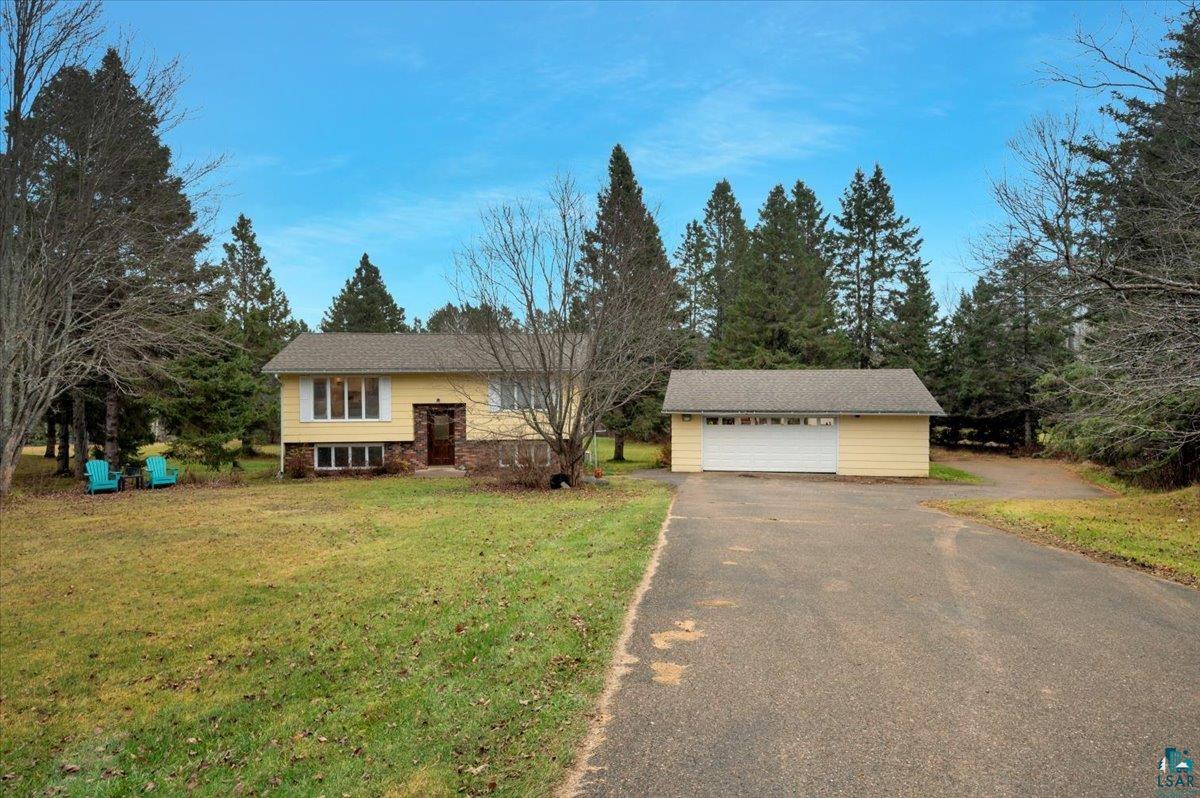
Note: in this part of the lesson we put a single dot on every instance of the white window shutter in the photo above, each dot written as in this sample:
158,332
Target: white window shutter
493,395
306,399
385,398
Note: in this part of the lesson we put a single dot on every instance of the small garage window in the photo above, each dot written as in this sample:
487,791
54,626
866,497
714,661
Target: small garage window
776,420
760,420
795,421
712,421
746,421
728,421
814,421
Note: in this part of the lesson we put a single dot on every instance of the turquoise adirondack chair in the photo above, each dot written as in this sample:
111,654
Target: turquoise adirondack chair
159,474
100,479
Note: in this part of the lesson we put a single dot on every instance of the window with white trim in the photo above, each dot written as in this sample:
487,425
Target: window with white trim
519,394
348,398
337,456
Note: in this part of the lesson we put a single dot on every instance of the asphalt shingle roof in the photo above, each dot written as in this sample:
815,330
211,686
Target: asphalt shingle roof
374,353
799,391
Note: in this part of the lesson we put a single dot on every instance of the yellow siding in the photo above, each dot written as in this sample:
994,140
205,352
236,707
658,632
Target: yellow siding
878,446
685,443
407,390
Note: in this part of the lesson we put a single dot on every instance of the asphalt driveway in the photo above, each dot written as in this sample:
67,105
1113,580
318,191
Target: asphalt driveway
809,636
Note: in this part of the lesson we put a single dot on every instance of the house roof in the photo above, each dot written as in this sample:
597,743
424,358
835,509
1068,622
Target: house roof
869,391
384,353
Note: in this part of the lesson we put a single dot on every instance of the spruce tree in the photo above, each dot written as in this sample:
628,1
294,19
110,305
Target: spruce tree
782,316
259,316
364,304
909,341
694,263
813,221
625,246
874,242
726,234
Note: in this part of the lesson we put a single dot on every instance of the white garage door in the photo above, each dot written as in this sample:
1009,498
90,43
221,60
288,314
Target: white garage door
769,443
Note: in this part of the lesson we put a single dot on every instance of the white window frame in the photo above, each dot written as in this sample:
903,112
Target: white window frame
516,394
328,379
349,447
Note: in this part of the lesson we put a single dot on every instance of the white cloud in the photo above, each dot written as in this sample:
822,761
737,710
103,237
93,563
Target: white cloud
732,128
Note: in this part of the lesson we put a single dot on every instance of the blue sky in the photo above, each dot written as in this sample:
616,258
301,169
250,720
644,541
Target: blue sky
385,128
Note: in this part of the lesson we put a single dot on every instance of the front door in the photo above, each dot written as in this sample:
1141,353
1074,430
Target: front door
441,437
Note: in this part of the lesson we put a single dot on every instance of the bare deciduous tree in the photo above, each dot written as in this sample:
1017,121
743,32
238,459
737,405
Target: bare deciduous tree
1116,220
586,341
90,287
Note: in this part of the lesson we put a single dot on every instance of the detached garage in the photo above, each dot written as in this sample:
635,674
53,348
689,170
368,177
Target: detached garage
834,421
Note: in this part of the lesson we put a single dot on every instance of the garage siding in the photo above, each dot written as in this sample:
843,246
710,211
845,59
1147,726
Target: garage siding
892,446
685,443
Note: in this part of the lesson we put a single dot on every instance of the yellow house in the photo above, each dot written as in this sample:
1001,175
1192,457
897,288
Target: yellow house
352,400
861,422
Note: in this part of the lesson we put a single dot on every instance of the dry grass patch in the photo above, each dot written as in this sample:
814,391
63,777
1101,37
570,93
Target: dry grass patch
1156,531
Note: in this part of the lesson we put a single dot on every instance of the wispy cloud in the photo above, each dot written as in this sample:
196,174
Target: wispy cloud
732,128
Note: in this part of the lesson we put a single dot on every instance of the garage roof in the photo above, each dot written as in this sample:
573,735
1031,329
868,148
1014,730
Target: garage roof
872,391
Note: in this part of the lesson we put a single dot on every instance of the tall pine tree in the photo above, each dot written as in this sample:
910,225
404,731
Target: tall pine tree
625,246
910,336
259,316
782,316
872,246
364,305
694,262
726,234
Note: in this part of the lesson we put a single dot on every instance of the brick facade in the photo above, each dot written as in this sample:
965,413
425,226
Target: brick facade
467,453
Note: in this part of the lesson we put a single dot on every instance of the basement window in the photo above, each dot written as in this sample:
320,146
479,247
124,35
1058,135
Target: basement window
341,456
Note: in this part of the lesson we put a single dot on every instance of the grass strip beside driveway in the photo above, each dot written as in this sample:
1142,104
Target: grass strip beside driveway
1156,531
390,636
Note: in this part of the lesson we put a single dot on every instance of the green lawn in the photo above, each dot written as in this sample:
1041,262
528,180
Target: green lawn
638,455
389,636
1158,531
949,474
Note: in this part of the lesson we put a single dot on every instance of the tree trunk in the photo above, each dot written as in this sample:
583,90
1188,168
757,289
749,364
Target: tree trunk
570,460
112,418
64,436
49,434
1028,428
79,432
8,463
618,447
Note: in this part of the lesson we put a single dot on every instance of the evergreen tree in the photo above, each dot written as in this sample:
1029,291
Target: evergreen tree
873,244
726,235
782,316
995,348
99,130
468,318
1133,400
813,221
910,339
695,267
260,318
215,402
364,305
625,246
